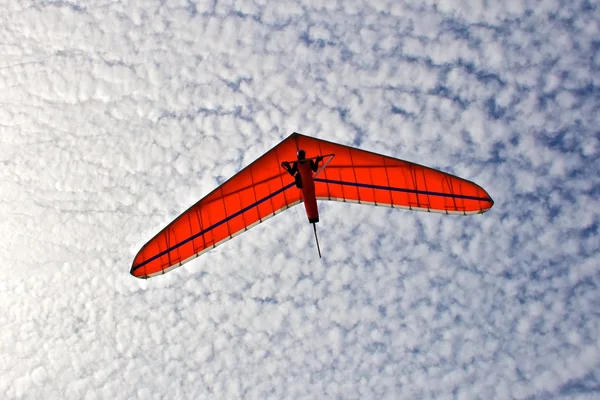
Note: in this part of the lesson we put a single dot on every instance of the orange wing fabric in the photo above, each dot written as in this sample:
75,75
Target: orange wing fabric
363,177
263,189
256,193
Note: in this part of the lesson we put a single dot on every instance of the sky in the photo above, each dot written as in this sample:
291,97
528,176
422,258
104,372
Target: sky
116,116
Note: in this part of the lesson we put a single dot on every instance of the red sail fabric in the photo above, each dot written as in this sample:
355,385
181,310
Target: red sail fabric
254,194
264,189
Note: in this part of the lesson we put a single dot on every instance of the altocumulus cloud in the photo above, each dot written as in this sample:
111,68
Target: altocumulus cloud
117,116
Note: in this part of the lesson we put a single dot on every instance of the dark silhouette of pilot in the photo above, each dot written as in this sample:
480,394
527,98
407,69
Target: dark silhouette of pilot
293,169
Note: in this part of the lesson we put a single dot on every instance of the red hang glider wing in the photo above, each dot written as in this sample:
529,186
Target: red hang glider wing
256,193
264,189
363,177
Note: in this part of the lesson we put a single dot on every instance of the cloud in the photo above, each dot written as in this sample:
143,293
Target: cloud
116,117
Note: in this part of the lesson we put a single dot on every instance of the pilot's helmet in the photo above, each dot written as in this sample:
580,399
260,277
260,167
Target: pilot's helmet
301,155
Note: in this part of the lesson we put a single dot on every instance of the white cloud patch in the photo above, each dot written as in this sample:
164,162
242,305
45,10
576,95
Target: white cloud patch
117,116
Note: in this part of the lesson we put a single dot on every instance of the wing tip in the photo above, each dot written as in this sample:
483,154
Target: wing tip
489,199
486,209
138,266
136,272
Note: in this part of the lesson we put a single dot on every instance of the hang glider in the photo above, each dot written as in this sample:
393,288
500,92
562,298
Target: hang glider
304,169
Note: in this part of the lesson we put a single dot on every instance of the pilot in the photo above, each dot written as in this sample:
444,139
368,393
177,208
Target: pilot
293,169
